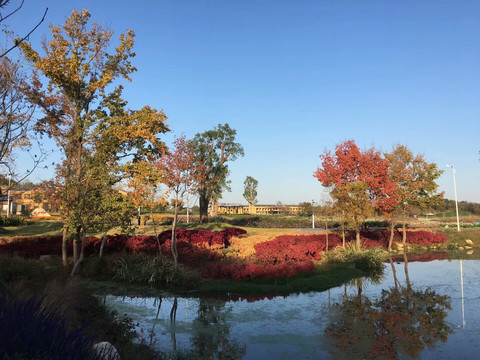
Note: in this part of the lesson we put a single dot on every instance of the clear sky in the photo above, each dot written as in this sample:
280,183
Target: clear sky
295,78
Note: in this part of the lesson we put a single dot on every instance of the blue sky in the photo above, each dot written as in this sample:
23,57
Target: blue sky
295,78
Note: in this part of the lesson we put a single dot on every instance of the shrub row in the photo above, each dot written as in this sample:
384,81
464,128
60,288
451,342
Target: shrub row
418,237
309,247
33,247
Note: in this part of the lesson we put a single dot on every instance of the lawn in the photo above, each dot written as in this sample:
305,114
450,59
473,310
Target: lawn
33,228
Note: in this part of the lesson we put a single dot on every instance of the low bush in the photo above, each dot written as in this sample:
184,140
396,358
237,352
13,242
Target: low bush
13,268
294,248
12,221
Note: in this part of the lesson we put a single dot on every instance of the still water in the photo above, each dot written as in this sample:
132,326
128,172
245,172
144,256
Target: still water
416,311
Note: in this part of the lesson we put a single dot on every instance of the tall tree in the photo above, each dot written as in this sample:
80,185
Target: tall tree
85,113
250,186
416,183
181,174
359,181
213,149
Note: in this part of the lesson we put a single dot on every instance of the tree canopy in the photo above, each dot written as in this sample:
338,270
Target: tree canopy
84,112
359,181
214,149
250,190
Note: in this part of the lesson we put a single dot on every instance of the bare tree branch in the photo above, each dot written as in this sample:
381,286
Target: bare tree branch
20,40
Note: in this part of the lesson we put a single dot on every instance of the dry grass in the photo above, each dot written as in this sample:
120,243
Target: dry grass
244,246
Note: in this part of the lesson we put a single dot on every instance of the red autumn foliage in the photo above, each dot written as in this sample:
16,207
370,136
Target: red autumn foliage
283,256
294,248
350,165
33,247
418,237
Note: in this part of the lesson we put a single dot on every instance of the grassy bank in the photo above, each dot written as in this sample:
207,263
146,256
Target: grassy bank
323,279
52,304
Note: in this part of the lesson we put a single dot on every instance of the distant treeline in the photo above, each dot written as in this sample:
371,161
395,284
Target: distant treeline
463,206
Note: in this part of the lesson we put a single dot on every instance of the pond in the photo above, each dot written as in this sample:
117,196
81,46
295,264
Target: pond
426,310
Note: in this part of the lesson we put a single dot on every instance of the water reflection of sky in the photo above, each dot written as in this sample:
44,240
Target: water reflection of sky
294,327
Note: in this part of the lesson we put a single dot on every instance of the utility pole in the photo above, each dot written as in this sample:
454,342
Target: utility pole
313,215
455,191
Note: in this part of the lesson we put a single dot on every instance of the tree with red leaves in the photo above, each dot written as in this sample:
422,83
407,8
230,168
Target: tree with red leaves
180,173
359,181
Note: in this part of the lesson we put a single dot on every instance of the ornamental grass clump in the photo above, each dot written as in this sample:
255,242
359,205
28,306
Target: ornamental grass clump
143,269
28,330
370,259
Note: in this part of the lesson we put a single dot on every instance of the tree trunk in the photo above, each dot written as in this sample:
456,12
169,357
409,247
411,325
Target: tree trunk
102,245
343,229
392,232
173,312
407,277
203,202
156,233
404,227
75,249
64,246
357,238
173,244
394,272
82,252
326,237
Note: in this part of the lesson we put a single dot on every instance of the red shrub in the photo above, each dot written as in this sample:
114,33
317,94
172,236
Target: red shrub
294,248
418,237
32,247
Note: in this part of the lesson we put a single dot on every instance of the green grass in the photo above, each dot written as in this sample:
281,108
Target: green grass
33,228
457,237
323,279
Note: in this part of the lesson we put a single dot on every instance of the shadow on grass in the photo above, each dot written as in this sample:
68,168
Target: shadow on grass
35,228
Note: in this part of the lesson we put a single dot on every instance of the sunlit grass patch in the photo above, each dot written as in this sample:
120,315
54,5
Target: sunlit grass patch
370,259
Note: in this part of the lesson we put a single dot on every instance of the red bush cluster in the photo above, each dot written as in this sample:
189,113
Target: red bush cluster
294,248
33,247
242,272
283,256
203,237
418,237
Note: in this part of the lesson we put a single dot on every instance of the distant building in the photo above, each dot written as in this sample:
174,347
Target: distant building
236,209
22,200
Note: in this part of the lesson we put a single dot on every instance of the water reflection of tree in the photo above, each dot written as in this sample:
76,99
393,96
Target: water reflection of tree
403,321
212,333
